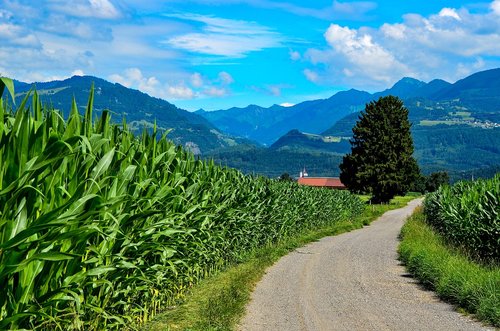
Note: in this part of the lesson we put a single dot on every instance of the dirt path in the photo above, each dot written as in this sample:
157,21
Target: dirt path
349,282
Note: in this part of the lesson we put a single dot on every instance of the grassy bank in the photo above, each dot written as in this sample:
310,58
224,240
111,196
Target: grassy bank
473,287
218,303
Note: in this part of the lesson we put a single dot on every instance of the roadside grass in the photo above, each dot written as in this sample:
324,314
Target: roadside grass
218,302
474,288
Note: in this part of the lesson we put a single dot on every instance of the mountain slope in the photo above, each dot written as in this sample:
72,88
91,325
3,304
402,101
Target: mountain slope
436,100
404,88
456,128
266,125
477,91
140,110
296,140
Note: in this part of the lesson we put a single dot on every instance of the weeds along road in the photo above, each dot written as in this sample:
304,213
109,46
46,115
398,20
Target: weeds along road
353,281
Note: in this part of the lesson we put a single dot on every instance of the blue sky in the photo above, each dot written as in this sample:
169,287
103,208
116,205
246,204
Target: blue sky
216,54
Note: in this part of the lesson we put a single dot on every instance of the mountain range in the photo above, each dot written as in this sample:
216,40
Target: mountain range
266,125
478,93
456,127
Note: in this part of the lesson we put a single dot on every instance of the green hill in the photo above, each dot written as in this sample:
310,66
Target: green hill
266,125
140,110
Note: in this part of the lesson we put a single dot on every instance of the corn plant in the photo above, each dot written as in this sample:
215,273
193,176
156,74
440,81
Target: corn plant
101,228
468,215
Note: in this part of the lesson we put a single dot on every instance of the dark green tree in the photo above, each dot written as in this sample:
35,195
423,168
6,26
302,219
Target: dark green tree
285,177
437,179
419,185
381,161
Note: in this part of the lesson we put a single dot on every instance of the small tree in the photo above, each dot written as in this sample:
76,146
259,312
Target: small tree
381,161
285,177
436,179
419,185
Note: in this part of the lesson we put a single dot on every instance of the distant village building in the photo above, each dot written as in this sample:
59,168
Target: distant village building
328,182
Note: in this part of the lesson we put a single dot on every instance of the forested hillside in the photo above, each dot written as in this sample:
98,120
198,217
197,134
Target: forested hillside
140,110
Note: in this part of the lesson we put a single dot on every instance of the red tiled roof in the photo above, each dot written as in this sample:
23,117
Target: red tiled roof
321,181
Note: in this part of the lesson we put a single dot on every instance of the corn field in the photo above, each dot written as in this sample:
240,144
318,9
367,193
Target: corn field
101,229
468,215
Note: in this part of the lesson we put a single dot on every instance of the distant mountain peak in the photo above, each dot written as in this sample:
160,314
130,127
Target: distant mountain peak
410,80
406,82
404,88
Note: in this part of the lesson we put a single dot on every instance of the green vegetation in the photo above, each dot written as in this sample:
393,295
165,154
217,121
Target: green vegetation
272,163
467,215
465,114
430,183
296,140
218,302
100,229
381,160
456,278
456,149
444,122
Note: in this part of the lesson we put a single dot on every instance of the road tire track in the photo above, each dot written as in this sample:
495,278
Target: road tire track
352,281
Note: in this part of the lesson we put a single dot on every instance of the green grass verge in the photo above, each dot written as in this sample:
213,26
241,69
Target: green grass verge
472,287
218,302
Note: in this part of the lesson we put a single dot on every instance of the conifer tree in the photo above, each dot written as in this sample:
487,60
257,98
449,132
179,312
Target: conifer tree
381,161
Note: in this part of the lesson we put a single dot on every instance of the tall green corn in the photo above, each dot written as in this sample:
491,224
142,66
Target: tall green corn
468,215
100,229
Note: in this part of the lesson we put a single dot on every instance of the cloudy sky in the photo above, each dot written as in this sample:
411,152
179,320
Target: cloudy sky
215,54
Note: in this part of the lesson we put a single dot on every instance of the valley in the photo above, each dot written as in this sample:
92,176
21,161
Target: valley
455,127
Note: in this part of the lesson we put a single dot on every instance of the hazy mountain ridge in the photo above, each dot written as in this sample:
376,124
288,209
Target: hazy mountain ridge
268,124
456,127
478,93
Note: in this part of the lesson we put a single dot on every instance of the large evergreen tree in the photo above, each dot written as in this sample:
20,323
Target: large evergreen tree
381,161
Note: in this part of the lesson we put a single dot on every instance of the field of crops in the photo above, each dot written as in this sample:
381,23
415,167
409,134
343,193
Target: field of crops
468,215
99,229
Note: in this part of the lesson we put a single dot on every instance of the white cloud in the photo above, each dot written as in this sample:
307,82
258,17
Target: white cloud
294,55
65,26
450,12
180,92
17,35
395,31
134,78
363,55
287,104
5,14
196,80
103,9
216,92
177,89
275,90
445,45
355,10
225,37
495,7
311,75
225,78
78,72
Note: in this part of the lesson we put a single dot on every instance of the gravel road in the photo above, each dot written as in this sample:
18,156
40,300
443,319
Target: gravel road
353,281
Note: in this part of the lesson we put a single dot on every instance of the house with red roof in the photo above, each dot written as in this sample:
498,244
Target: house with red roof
328,182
